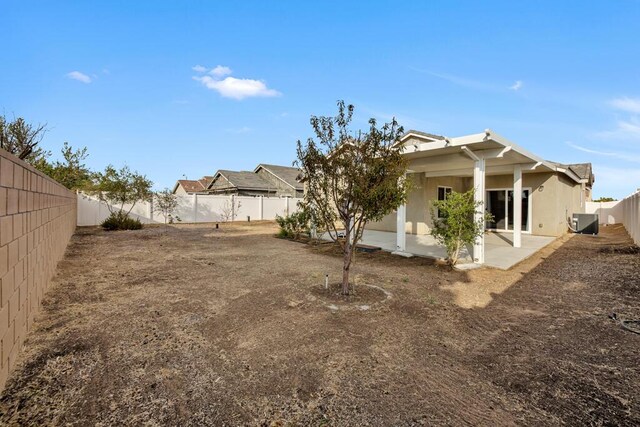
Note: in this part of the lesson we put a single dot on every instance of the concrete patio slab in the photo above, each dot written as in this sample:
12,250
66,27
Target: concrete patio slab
499,252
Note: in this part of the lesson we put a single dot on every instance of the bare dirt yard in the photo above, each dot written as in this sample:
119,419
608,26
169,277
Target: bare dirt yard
190,325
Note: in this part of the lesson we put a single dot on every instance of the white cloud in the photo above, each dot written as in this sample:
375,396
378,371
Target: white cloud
77,75
517,85
220,71
631,105
629,157
198,68
230,87
624,130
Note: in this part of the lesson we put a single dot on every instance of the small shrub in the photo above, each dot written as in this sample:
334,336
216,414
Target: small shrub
121,221
454,223
294,225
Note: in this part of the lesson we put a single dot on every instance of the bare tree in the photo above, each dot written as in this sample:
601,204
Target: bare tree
230,209
351,177
167,203
21,139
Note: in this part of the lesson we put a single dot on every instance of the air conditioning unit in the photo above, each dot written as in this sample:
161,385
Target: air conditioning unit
585,223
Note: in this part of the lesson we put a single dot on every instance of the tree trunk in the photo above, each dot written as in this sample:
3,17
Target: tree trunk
345,269
346,261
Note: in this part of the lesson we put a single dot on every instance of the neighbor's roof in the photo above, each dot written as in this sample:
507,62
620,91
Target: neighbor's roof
287,174
189,185
243,180
205,181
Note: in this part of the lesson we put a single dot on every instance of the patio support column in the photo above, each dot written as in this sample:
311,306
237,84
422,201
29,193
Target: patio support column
478,184
401,236
517,206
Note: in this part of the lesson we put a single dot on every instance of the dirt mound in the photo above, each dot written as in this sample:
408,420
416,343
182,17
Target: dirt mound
359,295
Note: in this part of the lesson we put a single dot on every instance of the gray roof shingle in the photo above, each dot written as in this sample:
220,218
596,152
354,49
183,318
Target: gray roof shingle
286,173
245,180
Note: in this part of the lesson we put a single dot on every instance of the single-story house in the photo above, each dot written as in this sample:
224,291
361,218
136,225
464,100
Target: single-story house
190,186
283,178
549,192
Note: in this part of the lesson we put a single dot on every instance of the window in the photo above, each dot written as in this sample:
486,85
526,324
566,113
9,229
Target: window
442,195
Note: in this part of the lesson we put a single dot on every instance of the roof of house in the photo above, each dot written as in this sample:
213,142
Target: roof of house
205,181
189,185
243,180
425,134
581,170
289,175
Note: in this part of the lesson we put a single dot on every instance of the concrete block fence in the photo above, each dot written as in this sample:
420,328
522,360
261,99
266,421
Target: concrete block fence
625,211
195,208
37,219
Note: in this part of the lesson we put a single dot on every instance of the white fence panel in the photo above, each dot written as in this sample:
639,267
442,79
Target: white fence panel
247,207
625,211
194,208
608,212
272,207
210,208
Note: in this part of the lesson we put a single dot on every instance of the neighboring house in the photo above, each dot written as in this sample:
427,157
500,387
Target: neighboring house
189,186
242,183
284,179
494,166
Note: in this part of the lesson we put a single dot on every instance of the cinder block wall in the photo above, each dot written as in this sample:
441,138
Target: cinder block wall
37,219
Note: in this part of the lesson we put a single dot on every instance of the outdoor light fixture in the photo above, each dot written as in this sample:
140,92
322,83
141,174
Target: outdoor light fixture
541,188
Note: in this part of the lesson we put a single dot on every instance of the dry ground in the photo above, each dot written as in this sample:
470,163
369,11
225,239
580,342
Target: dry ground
196,326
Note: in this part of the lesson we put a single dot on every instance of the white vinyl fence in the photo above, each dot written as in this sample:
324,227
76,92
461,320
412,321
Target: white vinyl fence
625,211
195,208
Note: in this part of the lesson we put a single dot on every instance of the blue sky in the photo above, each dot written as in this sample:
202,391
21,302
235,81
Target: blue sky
122,77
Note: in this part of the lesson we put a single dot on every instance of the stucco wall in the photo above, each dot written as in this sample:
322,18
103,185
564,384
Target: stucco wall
553,196
423,190
37,219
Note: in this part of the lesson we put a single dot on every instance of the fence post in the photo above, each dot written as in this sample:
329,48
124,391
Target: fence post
195,207
151,210
286,206
233,208
261,208
98,217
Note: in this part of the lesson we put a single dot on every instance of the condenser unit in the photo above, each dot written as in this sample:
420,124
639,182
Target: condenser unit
585,223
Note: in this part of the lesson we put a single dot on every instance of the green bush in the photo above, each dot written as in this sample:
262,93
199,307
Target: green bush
121,221
292,226
454,222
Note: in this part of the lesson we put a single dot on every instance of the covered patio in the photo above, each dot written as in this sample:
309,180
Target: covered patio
498,247
467,162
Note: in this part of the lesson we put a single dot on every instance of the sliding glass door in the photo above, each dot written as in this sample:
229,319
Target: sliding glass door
500,205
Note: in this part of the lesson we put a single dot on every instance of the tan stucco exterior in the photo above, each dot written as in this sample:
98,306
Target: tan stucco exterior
554,197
